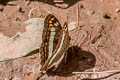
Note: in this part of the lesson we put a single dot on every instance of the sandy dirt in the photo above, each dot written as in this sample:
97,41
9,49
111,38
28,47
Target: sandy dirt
94,45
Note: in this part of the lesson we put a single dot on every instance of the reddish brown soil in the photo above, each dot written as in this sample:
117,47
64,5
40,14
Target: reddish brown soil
95,45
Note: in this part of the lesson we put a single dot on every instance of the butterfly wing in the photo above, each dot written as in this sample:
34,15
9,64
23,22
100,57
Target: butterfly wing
50,38
61,47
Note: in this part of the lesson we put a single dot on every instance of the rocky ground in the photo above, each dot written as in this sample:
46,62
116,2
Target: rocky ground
94,45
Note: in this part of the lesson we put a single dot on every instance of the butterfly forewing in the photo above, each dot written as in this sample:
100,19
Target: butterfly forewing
49,37
51,45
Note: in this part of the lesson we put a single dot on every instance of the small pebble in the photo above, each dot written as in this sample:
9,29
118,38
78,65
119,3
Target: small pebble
91,12
1,8
106,16
28,3
101,0
20,9
18,19
81,6
117,10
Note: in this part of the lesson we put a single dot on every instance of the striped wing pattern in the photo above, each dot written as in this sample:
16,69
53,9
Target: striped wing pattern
55,40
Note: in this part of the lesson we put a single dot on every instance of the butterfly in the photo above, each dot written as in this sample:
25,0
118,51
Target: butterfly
55,41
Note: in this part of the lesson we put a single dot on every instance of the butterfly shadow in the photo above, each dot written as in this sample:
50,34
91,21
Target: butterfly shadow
77,61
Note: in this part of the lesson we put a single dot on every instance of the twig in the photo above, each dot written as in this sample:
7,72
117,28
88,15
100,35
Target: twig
110,71
30,12
78,15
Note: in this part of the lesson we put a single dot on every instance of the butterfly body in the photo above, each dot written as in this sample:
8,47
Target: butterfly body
55,41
